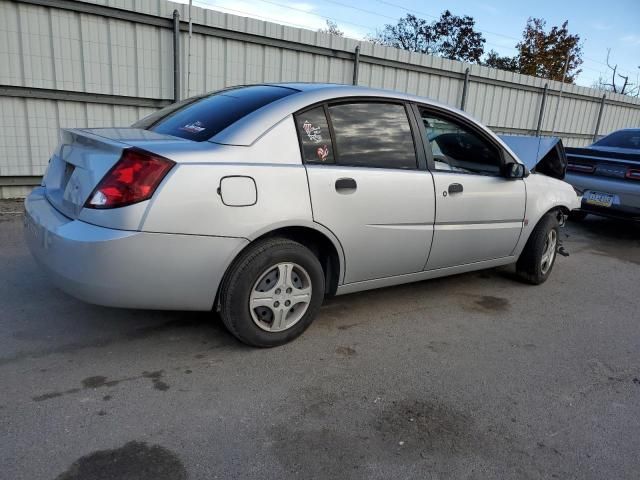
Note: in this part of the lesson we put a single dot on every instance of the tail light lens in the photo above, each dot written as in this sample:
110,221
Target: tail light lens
133,179
633,174
580,167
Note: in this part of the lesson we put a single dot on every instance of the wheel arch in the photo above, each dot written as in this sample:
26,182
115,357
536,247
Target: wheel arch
561,211
320,240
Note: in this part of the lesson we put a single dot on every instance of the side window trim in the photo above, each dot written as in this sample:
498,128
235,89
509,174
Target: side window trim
423,153
451,117
332,134
308,108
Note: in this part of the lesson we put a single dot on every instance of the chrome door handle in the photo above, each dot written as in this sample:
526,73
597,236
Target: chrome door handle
455,188
346,184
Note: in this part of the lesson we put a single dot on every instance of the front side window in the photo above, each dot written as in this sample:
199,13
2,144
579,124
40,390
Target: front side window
315,138
199,119
373,134
456,148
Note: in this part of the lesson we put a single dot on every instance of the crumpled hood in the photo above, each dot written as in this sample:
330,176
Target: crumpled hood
540,154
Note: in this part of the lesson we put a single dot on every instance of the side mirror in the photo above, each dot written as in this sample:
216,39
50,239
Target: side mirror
516,170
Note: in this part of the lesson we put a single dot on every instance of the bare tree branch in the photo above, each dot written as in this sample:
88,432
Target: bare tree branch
627,88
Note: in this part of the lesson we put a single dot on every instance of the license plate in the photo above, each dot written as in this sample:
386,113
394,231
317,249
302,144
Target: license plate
599,199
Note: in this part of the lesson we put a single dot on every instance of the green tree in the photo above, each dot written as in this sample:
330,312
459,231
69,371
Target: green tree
456,39
451,36
494,60
410,33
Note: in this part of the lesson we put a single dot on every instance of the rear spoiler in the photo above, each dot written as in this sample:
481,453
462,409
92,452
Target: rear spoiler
596,154
540,154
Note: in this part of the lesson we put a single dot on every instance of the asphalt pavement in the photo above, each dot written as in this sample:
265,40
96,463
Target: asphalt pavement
475,376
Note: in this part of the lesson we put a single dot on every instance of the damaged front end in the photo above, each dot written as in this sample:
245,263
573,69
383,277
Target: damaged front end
544,155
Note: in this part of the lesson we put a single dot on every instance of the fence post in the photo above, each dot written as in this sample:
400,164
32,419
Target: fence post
541,114
595,133
465,87
356,65
176,55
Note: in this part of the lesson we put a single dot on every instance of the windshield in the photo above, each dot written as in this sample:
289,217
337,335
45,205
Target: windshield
200,118
621,139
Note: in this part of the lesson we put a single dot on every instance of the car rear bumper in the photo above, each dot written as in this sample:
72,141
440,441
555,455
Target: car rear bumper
626,202
125,268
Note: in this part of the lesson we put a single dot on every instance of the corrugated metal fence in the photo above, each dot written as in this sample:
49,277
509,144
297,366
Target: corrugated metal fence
102,63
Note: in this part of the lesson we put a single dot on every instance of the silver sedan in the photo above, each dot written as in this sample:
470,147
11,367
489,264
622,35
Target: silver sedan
259,201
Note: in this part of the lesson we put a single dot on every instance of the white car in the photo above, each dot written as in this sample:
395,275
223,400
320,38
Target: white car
259,201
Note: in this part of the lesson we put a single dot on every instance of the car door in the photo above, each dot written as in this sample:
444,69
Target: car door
366,185
479,212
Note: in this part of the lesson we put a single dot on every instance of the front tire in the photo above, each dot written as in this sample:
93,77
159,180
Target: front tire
272,292
539,255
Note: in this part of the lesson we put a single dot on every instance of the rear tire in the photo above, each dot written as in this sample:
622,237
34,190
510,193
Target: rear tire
272,292
539,255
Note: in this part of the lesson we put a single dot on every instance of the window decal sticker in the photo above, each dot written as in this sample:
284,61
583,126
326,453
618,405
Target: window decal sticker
323,153
193,127
312,132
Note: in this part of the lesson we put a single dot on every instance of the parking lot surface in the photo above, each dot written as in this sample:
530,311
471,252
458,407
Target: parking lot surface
473,376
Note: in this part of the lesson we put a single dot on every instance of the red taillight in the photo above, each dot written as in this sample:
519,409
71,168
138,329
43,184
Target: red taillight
580,167
633,174
133,179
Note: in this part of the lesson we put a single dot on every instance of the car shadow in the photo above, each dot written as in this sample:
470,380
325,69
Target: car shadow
103,327
607,228
610,237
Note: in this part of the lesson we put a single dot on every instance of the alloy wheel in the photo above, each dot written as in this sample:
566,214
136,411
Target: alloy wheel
280,297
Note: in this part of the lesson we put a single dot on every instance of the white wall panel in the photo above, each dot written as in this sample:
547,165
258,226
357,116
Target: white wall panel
15,153
57,49
10,45
36,52
29,128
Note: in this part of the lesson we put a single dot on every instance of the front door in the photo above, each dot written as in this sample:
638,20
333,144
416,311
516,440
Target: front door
366,186
479,212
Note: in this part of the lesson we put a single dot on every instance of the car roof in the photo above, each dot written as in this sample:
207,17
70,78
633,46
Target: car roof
250,128
629,129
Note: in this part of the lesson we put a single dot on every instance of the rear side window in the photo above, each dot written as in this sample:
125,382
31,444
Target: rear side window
621,139
201,118
373,135
315,138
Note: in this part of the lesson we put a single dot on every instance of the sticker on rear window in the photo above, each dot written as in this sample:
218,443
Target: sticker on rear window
312,131
323,153
193,127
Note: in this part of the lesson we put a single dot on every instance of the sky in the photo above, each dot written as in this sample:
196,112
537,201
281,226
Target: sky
500,21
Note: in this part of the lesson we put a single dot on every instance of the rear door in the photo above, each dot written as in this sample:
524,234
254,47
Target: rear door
479,212
369,186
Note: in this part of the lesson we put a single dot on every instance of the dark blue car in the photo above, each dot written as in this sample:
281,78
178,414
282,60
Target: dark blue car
607,174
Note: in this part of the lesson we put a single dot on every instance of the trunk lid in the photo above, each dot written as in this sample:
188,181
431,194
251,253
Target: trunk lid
84,156
613,163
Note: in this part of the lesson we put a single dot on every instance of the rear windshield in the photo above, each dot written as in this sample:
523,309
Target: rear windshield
201,118
621,139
